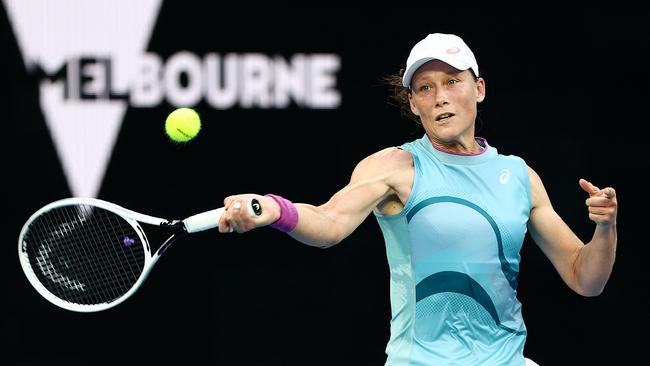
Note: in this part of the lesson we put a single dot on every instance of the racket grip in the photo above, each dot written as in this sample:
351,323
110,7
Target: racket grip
203,221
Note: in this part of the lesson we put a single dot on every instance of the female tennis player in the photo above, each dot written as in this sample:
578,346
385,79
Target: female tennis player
454,213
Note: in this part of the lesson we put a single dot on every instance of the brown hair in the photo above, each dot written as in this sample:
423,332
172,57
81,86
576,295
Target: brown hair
399,96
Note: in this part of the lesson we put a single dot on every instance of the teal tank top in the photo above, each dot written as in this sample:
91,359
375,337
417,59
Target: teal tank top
453,254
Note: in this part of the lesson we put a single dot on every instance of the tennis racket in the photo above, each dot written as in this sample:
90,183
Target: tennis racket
87,255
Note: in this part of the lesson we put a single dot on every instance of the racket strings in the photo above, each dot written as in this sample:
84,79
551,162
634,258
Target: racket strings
104,261
86,257
85,261
84,254
108,261
61,266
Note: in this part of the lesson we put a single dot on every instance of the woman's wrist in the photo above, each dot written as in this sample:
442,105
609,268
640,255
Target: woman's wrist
288,214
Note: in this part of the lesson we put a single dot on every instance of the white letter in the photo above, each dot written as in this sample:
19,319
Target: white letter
146,89
255,81
221,85
289,81
321,89
177,94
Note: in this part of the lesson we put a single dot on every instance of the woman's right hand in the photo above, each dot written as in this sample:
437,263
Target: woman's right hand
240,213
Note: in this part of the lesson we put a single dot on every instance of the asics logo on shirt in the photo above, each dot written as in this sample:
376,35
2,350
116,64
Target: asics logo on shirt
504,177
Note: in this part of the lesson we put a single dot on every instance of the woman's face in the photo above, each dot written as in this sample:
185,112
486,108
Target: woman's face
445,99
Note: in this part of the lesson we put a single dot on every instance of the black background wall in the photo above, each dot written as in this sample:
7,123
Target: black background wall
567,91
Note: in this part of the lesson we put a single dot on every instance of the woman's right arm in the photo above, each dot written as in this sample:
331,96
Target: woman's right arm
372,181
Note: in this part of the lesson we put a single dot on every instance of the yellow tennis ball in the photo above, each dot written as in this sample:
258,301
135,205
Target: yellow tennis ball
183,124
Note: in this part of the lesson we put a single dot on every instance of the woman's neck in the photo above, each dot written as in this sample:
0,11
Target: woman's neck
470,147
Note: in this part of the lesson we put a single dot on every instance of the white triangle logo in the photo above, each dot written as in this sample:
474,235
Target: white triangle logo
55,36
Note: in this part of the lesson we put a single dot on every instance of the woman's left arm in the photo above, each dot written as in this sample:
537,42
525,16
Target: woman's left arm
585,268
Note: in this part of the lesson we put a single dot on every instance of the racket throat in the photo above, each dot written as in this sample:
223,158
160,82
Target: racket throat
170,241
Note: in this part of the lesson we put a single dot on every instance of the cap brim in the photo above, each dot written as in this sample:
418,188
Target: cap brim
410,71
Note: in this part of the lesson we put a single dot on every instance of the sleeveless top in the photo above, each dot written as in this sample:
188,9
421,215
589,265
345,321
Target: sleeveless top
453,254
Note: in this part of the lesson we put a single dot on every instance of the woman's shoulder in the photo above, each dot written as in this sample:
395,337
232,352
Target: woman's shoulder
393,155
386,160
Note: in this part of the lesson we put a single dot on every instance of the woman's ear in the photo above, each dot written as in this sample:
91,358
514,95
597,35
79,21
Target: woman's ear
480,90
413,107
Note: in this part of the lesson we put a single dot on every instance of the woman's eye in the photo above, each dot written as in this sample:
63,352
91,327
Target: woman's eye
452,82
424,88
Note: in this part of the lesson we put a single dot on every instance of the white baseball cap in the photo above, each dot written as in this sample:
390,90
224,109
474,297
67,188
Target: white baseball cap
448,48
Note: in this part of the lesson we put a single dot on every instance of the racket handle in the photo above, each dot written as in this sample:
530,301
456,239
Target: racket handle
203,221
210,219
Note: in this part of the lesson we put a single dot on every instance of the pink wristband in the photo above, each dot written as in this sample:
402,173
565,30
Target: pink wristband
288,214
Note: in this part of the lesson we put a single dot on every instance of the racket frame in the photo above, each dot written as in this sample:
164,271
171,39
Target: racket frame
131,217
